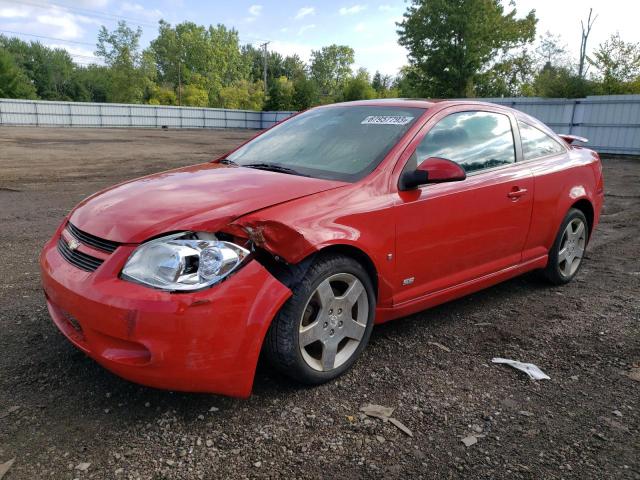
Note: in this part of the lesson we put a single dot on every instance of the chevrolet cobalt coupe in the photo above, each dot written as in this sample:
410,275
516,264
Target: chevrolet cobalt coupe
301,239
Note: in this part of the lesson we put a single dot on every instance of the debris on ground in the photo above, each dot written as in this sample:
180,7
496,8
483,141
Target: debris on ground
529,368
4,467
83,466
440,346
401,426
377,411
384,414
634,374
470,440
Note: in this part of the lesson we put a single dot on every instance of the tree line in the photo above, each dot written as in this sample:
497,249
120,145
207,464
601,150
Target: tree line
457,48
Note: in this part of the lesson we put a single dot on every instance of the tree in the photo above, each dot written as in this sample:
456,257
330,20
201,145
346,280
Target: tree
561,82
293,67
13,82
50,70
551,51
305,93
331,67
618,64
511,76
582,71
120,51
189,53
280,95
359,87
242,94
451,42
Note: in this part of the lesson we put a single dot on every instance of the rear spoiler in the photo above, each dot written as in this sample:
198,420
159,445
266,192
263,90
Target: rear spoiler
570,139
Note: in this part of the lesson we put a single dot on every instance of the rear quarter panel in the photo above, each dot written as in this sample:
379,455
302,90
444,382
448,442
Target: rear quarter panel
560,182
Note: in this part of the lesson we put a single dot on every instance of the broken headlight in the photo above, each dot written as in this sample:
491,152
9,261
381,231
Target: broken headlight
183,261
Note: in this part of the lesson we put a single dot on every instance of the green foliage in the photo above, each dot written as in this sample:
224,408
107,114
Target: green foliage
120,50
561,82
330,68
618,65
451,42
512,76
306,94
456,48
359,87
13,82
243,95
281,95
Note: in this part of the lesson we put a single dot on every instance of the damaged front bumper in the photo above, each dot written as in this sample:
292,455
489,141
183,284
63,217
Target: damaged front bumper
205,341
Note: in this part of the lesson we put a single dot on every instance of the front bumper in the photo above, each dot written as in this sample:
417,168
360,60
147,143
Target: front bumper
206,341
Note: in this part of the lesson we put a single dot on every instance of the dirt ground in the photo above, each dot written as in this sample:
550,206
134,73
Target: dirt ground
60,412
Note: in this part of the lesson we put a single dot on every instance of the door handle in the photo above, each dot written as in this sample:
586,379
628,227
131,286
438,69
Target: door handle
516,193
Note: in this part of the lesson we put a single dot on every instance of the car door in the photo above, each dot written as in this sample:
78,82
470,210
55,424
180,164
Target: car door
451,233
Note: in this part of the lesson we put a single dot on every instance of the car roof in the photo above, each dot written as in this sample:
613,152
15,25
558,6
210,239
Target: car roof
415,102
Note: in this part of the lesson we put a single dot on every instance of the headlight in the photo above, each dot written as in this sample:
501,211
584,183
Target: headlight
183,262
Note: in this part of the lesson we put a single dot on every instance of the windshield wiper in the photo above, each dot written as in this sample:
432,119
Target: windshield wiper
274,168
226,161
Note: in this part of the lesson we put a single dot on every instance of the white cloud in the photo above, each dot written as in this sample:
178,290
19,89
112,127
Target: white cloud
255,10
352,10
304,11
360,27
139,11
13,13
304,28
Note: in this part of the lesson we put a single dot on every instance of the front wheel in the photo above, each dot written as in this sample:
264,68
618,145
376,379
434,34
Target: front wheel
567,252
322,329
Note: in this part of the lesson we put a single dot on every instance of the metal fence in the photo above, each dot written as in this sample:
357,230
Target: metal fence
610,122
76,114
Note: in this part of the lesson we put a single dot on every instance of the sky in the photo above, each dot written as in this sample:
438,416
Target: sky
368,26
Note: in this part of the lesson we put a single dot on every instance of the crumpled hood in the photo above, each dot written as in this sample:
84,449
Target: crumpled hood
206,196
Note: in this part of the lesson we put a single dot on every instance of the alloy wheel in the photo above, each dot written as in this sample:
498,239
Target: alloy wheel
572,246
333,322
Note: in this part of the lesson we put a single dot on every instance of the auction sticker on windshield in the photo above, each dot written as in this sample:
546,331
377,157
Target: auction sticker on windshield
386,120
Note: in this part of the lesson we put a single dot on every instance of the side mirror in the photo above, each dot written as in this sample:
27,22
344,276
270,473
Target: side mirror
432,170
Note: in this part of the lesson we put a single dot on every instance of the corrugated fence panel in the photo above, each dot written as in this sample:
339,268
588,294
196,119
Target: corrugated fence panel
611,122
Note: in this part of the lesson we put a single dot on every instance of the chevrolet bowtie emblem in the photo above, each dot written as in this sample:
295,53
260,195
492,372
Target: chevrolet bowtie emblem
73,244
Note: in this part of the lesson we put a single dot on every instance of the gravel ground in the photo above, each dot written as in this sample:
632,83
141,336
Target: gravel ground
62,416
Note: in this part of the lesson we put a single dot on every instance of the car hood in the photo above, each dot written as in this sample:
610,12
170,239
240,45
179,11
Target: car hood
200,197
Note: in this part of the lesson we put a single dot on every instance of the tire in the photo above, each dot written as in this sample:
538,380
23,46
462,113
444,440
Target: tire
567,252
301,339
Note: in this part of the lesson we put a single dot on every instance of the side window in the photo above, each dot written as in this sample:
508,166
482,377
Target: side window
536,143
475,140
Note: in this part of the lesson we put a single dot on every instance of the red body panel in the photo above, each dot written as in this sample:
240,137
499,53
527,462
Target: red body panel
427,246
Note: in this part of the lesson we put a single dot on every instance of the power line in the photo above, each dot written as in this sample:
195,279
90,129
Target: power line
85,11
48,38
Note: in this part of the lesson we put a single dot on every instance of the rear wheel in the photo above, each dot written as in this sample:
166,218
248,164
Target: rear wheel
322,329
565,257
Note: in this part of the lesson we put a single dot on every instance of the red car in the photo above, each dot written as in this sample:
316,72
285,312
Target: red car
301,239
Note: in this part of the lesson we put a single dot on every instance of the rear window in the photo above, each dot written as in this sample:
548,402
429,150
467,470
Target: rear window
536,143
337,143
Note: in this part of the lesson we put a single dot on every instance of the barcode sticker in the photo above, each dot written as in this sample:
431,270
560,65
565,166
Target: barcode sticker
386,120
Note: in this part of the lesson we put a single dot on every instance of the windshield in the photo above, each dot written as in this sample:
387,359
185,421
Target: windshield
336,143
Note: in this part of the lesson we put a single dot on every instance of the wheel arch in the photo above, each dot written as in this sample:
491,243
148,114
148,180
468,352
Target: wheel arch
357,254
586,207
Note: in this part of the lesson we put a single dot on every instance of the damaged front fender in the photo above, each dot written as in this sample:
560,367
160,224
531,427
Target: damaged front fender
275,237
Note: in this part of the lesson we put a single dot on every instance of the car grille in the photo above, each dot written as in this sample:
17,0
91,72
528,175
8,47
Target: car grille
91,240
81,260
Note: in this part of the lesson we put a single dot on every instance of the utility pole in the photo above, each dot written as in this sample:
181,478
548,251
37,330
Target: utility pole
264,69
179,82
